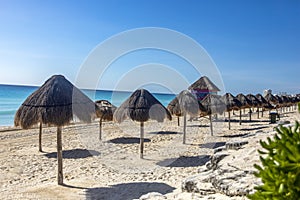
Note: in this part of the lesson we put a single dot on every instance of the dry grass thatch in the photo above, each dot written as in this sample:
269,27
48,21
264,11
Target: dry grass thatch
231,102
174,107
141,106
286,100
272,99
213,104
55,103
280,100
204,84
188,103
255,102
263,101
105,110
246,103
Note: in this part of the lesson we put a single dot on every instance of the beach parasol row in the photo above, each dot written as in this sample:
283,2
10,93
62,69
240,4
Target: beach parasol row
58,101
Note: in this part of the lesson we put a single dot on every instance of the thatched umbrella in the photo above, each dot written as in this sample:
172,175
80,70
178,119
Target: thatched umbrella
280,101
255,103
295,102
204,83
231,103
271,99
141,106
174,109
213,104
264,103
188,104
55,103
105,112
286,101
246,103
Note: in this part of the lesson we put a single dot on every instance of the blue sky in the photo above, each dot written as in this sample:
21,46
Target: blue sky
254,44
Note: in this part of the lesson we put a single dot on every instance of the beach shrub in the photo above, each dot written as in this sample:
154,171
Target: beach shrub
299,107
280,170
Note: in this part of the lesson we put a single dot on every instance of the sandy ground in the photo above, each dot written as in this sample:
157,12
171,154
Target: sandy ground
111,168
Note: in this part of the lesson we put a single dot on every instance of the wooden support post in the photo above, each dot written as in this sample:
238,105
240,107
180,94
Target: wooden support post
40,137
142,141
211,126
184,128
100,129
59,157
241,117
229,120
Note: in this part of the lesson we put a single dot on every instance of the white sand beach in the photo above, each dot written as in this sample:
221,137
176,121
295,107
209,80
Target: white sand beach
111,169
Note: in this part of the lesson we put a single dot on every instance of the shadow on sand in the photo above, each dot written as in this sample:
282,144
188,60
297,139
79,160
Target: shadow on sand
212,145
243,121
200,125
126,191
236,135
74,153
253,129
165,133
185,161
127,140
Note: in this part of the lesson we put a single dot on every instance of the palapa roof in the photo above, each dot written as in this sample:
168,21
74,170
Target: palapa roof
286,100
246,103
185,101
105,110
204,84
188,103
55,103
174,107
213,104
262,99
141,106
231,102
271,99
280,100
254,100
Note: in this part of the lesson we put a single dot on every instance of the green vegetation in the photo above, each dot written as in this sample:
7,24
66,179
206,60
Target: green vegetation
299,107
280,171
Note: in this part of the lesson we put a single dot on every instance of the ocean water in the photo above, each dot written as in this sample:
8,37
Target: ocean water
11,97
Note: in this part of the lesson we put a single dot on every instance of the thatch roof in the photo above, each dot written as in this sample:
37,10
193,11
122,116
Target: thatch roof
271,99
255,101
188,103
204,84
105,110
141,106
213,104
174,107
295,99
246,103
231,102
298,97
55,103
264,102
261,99
279,99
286,100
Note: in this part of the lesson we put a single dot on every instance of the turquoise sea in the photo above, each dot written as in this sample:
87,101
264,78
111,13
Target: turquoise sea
12,96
